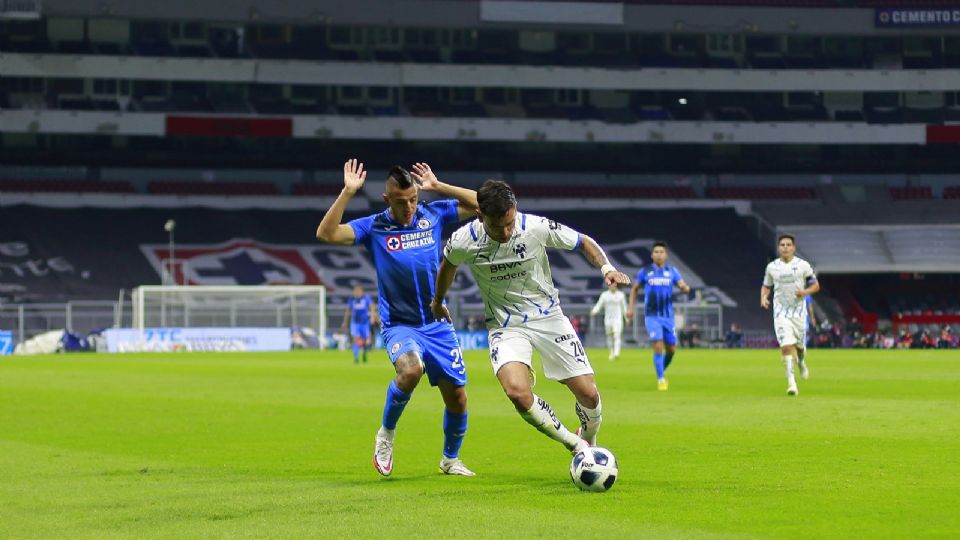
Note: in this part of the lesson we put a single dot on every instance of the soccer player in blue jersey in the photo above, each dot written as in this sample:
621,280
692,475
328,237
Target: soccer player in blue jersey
358,314
404,241
658,281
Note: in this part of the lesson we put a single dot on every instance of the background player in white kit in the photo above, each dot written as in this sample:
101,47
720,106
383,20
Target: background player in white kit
613,303
791,279
506,252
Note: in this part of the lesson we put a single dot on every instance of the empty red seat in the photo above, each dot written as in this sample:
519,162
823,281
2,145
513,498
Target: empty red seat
172,187
66,186
607,192
761,193
911,193
317,189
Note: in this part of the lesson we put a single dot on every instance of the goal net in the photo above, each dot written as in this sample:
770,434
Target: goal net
157,306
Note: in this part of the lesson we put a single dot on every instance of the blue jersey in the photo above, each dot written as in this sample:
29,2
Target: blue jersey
360,309
658,286
406,259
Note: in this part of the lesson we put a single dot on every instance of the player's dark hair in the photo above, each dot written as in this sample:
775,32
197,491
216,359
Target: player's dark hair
786,235
401,176
659,243
495,198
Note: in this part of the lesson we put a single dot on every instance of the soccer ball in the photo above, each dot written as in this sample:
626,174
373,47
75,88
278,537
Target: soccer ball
594,469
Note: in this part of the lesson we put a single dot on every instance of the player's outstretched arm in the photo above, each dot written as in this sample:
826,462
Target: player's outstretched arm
331,230
444,279
598,306
765,297
594,254
684,288
428,181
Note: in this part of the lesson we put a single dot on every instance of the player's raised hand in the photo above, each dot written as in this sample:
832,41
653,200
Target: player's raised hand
353,175
440,311
424,177
616,277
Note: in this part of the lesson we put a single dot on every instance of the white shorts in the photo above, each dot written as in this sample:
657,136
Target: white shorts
791,331
613,327
560,349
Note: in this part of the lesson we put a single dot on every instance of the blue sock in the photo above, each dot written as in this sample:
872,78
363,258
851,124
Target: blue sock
454,428
658,363
396,401
356,353
667,358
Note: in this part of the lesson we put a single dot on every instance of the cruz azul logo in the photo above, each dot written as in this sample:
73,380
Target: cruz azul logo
237,262
417,239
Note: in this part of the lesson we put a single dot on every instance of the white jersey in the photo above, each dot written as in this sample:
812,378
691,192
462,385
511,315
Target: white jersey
513,277
786,278
614,306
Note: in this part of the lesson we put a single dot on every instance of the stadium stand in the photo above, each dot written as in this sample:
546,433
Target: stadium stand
702,239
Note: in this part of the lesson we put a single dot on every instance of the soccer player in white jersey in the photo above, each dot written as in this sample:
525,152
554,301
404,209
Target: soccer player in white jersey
507,253
613,303
792,279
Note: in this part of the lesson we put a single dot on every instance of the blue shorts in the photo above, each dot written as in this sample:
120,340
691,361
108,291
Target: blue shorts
360,330
660,329
437,345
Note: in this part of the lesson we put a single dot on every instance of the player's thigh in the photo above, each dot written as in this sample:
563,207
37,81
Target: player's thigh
654,328
560,349
669,333
442,355
509,345
789,332
613,328
401,340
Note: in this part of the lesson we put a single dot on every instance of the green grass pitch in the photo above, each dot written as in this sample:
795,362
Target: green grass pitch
279,445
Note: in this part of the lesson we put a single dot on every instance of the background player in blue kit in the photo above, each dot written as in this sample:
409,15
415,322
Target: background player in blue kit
658,281
359,316
404,241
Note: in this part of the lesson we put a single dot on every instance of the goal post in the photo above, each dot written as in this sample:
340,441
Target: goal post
237,306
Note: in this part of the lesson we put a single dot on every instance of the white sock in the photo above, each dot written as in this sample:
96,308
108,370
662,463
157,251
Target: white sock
388,433
590,420
616,344
541,417
788,369
610,345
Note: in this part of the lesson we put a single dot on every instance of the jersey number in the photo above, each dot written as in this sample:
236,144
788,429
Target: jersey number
457,362
577,349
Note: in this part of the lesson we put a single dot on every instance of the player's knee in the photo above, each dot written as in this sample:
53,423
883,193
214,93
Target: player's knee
522,398
409,369
458,402
590,399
